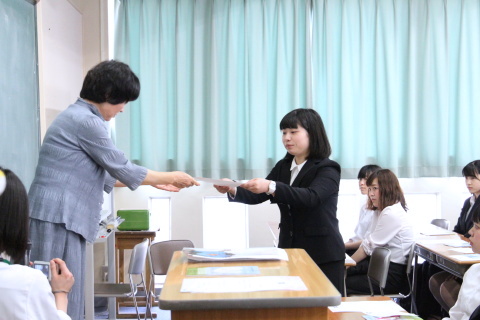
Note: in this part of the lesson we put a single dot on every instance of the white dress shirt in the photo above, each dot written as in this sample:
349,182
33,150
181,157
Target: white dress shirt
295,169
392,229
26,294
364,222
469,295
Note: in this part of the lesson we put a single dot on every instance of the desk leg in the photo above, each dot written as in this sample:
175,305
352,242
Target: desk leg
413,307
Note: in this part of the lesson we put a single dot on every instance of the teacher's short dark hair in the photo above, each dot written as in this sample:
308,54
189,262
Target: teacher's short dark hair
110,81
14,218
311,121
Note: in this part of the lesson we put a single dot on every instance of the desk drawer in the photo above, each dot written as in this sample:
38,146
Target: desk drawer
424,253
454,268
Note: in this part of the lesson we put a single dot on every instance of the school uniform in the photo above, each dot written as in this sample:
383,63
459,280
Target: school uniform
308,207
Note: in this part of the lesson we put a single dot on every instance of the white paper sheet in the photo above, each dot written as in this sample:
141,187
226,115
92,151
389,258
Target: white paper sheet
373,308
220,182
457,243
242,284
463,250
466,257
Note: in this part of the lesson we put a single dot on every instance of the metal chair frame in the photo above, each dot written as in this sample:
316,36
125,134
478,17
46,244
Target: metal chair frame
442,223
127,290
159,256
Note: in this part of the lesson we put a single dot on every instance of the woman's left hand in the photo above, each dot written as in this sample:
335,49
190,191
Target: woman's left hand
257,185
167,187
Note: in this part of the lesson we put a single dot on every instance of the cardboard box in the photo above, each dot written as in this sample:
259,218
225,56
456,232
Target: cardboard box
135,220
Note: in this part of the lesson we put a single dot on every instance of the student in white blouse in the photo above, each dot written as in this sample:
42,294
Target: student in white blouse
391,227
25,292
469,296
366,215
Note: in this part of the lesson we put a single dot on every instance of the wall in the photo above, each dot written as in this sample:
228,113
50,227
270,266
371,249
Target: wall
72,37
186,206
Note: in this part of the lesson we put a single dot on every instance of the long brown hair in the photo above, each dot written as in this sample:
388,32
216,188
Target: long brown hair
390,190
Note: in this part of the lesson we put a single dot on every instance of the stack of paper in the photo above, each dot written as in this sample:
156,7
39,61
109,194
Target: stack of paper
201,254
375,309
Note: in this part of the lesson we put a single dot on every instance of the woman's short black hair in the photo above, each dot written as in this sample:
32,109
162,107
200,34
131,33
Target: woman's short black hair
110,81
14,218
472,169
311,121
367,170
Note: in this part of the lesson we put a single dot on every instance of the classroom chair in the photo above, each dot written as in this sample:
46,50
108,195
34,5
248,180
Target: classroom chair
127,290
442,223
159,256
378,271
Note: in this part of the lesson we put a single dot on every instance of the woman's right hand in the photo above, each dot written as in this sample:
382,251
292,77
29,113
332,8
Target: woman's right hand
183,180
62,278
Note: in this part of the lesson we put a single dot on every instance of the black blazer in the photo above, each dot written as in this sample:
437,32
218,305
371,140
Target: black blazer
308,208
476,314
464,224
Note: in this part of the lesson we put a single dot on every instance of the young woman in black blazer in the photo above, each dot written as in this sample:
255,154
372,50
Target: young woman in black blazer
304,185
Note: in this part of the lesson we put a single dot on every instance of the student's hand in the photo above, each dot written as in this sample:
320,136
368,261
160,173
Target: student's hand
225,189
257,185
62,278
182,180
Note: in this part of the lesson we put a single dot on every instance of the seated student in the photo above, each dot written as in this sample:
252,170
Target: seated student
469,295
443,285
365,216
25,292
391,228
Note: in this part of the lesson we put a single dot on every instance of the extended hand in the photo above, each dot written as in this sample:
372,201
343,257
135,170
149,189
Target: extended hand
167,187
182,180
257,185
225,189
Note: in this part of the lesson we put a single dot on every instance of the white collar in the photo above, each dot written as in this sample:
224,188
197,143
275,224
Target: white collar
298,166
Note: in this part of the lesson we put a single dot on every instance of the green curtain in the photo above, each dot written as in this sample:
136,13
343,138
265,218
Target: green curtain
396,82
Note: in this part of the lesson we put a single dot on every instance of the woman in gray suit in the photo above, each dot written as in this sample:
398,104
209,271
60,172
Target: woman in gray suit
77,162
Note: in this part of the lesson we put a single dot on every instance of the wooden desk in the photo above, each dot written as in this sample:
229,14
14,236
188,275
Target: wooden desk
275,305
432,249
353,315
126,240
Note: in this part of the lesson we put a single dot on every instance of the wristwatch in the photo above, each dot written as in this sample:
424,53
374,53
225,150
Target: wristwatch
272,187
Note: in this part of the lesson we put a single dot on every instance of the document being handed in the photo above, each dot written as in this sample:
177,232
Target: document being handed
220,182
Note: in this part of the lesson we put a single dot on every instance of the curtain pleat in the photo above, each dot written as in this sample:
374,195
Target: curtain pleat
395,81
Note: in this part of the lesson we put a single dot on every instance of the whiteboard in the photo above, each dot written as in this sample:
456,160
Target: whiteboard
19,102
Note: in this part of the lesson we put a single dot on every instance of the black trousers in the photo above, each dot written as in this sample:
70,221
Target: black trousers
335,272
357,281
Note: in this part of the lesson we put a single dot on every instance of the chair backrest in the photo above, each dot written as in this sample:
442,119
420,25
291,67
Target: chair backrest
410,258
442,223
378,267
139,255
161,254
